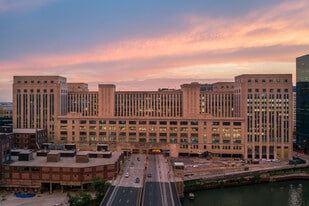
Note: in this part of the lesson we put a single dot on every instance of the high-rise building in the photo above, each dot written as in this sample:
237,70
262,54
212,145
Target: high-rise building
38,100
250,118
302,106
6,113
266,103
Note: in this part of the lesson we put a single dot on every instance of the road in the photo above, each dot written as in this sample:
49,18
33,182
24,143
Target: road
158,191
125,190
152,190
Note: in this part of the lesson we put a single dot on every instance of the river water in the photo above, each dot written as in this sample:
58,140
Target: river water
289,193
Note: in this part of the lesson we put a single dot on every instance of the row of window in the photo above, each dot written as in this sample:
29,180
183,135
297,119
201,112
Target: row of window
270,80
150,122
37,91
270,90
38,82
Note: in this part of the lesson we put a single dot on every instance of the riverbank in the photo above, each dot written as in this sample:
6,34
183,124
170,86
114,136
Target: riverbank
286,193
232,179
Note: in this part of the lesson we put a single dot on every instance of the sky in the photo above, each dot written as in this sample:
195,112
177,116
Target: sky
146,45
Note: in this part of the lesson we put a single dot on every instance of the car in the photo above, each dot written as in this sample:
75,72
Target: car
149,175
137,180
138,159
126,175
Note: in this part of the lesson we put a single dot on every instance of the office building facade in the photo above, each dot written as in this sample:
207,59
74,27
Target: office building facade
302,106
250,118
37,101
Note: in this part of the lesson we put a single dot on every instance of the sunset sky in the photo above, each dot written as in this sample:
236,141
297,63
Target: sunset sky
144,45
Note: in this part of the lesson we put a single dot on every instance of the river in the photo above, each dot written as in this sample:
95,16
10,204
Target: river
289,193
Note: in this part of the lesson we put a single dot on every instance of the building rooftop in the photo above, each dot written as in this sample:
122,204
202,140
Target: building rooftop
39,161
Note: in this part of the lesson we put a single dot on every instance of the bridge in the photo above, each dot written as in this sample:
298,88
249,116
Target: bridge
147,180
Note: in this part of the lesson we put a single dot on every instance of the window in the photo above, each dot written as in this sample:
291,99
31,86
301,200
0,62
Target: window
163,122
92,121
173,122
152,122
237,123
226,123
63,121
142,122
183,123
194,122
216,123
102,122
112,122
132,122
82,121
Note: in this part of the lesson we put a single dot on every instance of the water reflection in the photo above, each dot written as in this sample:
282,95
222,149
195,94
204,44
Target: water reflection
290,193
296,195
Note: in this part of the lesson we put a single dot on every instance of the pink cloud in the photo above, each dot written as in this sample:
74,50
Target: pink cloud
221,40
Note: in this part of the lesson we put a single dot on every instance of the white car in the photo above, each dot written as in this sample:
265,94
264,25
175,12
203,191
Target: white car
127,174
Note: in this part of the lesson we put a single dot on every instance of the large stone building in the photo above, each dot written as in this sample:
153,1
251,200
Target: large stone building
38,100
302,106
250,118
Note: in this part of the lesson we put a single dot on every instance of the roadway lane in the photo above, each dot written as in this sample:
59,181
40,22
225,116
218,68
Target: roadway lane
152,195
126,196
126,190
107,195
157,188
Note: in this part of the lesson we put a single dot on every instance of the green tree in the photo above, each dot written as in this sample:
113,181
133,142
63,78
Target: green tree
100,187
80,199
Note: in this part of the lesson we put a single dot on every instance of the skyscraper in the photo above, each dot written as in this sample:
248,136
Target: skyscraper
302,103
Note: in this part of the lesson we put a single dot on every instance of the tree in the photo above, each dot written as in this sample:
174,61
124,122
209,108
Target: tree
100,187
80,199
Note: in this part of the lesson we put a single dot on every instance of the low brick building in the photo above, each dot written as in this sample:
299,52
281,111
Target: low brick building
29,138
49,170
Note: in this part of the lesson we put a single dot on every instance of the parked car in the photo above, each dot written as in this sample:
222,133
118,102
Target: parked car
149,175
137,180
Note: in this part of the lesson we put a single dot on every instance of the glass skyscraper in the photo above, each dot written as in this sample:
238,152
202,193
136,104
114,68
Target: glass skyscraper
302,103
